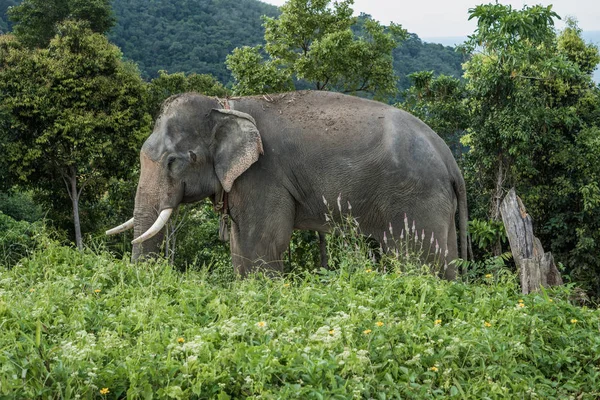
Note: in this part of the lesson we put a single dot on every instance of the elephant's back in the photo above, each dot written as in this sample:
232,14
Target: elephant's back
323,144
335,132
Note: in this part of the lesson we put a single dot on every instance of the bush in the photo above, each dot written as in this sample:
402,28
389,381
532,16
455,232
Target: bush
18,238
78,323
197,242
20,206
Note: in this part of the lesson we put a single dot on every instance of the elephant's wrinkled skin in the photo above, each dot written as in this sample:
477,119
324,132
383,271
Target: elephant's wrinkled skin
383,161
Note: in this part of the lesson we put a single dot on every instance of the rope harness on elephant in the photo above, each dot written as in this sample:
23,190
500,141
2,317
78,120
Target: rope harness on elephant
222,207
223,103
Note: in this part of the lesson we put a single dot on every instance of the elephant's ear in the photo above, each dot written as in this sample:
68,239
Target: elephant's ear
237,145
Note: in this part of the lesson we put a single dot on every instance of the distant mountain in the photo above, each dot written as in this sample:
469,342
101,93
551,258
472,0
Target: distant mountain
187,35
446,40
415,55
5,25
196,36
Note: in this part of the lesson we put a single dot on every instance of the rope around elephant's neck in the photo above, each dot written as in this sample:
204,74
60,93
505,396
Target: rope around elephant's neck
222,207
224,103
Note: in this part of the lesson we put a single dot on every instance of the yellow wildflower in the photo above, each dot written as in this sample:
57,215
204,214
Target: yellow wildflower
520,305
367,271
32,290
97,290
367,331
438,322
331,332
286,284
487,324
550,300
379,324
574,321
104,391
180,340
520,301
261,324
434,369
488,276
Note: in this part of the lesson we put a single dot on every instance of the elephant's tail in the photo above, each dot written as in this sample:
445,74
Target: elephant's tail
463,215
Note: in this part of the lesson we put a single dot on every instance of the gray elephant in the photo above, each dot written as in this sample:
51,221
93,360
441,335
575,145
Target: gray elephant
272,161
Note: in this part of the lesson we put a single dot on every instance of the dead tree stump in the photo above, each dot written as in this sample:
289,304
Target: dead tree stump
535,267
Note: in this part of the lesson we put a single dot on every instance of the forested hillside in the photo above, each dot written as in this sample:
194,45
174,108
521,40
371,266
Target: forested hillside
187,35
196,36
415,55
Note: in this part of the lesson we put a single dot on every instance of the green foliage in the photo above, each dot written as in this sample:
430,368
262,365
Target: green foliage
413,55
486,233
532,118
191,36
35,22
5,24
197,242
304,252
535,126
314,41
18,239
71,112
20,206
253,74
196,36
74,323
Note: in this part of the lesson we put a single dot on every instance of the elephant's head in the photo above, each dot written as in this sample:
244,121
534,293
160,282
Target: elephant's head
195,151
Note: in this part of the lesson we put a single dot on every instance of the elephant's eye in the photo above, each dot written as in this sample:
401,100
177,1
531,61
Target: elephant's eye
170,161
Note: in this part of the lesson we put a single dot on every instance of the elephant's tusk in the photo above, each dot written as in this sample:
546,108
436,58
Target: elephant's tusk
121,228
156,227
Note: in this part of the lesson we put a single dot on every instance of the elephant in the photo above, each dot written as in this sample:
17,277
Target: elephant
273,163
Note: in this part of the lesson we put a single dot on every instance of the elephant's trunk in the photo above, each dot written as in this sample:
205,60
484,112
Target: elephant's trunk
146,211
156,227
144,217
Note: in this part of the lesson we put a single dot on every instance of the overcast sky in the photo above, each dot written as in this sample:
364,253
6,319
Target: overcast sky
435,18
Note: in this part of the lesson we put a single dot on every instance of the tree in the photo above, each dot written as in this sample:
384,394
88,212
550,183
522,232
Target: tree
74,114
36,21
535,126
315,42
514,56
532,118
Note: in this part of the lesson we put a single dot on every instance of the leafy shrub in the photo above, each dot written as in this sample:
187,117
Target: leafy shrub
78,323
197,242
20,206
18,238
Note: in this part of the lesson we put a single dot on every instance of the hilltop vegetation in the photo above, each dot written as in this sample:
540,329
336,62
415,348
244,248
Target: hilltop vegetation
187,36
195,36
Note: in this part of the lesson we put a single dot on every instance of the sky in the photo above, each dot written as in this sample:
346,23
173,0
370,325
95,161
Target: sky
443,18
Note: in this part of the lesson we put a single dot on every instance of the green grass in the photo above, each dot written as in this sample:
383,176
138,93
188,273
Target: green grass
72,324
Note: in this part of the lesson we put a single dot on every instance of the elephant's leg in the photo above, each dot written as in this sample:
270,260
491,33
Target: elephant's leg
260,245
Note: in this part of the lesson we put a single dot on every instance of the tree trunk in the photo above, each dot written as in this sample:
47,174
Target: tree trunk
536,268
497,249
74,195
